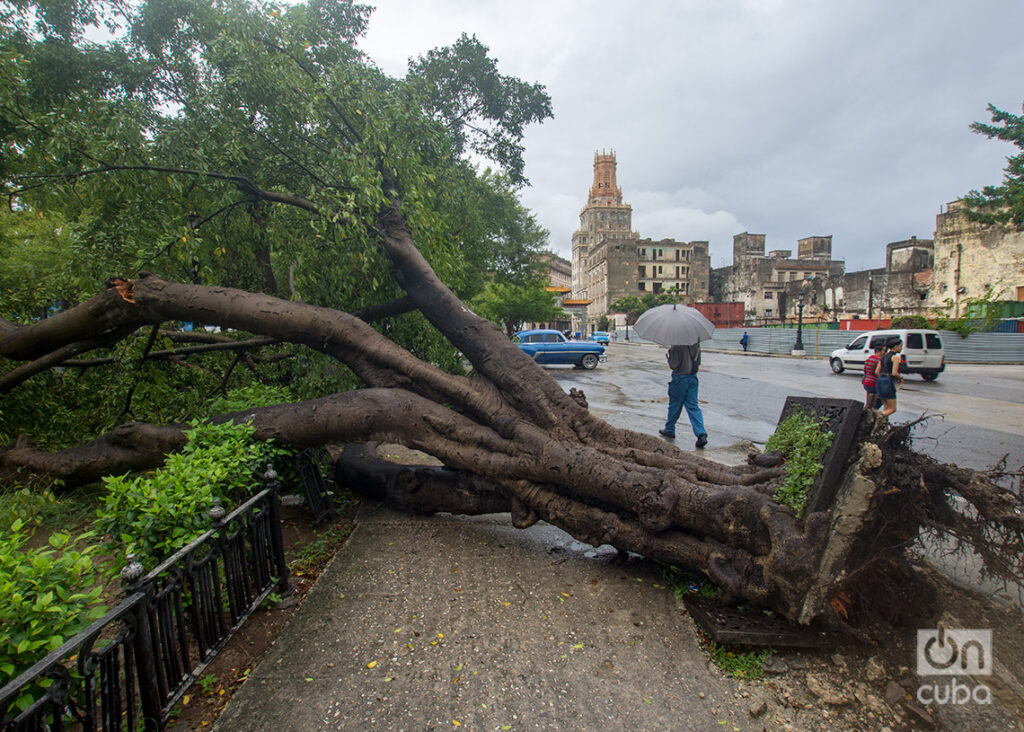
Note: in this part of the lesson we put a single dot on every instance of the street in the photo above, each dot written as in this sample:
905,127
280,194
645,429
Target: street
977,410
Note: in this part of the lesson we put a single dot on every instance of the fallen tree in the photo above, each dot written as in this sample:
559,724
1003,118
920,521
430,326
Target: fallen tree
513,440
228,116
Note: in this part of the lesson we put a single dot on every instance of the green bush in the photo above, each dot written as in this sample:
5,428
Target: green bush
249,397
156,514
49,594
32,507
802,442
36,505
911,321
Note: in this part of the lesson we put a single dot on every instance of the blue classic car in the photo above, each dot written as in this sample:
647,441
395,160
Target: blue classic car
600,336
550,346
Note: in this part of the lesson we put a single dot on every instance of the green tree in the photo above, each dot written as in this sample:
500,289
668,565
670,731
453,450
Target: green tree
634,306
180,115
1002,204
509,305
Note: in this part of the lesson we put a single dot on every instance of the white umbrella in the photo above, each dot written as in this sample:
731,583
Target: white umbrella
674,325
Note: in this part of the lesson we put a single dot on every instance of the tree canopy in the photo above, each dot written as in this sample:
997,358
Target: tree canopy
634,306
1002,203
249,145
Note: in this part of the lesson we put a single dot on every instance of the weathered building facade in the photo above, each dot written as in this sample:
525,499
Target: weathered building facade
559,270
605,218
611,261
899,288
972,259
769,284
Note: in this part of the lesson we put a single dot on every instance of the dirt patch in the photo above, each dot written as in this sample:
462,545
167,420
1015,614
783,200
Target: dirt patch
875,687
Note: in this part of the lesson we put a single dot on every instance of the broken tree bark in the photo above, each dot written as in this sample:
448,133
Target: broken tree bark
510,439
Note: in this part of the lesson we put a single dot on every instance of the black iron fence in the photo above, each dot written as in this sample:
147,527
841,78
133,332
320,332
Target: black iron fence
129,668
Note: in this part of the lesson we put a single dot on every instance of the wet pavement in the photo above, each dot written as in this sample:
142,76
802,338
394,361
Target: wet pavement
977,410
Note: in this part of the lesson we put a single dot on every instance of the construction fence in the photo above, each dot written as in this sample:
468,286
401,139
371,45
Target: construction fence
975,348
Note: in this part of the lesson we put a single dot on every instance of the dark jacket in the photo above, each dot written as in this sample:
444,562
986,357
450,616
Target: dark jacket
684,359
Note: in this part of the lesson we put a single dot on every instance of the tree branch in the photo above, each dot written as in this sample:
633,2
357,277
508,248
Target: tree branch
60,356
240,182
373,313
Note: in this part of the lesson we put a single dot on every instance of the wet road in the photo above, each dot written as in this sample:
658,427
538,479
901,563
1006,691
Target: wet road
978,409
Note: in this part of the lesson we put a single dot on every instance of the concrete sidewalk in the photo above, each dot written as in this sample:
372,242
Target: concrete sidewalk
446,622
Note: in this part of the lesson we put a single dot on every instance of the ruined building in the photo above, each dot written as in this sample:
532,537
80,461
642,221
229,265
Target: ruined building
972,259
769,284
898,288
610,260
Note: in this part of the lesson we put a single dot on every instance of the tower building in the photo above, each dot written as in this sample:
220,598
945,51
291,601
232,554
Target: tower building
611,261
604,217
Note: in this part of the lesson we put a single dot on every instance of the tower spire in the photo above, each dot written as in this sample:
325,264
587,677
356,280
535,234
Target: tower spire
605,189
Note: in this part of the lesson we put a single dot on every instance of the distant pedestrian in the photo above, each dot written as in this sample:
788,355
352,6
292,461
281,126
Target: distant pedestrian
682,392
744,340
870,380
888,373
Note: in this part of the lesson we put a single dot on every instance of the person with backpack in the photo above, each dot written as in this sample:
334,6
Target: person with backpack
888,375
870,380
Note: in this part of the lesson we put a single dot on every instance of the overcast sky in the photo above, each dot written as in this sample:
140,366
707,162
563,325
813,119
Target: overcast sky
789,118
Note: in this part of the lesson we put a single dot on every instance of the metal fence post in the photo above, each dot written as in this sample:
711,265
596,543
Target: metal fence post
277,543
142,647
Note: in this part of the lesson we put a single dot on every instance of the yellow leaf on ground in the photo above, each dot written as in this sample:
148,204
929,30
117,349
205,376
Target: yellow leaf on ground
371,664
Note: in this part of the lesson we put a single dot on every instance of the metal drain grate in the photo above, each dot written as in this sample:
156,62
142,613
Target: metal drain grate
752,627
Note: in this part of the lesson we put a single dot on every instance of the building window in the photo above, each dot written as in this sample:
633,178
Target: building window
643,252
1020,294
641,285
767,296
642,270
656,287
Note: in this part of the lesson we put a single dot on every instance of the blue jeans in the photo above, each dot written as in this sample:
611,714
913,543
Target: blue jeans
682,392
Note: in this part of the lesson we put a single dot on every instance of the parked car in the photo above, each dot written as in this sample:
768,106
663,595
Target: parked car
923,352
600,336
551,347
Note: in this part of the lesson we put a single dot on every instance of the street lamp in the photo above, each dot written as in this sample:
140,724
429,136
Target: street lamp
627,329
798,347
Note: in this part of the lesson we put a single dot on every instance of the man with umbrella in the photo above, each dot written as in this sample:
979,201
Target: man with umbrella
681,328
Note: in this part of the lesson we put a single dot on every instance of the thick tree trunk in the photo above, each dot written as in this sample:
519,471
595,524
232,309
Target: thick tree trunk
510,439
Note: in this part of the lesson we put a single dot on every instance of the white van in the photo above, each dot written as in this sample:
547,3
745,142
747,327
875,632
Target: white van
923,352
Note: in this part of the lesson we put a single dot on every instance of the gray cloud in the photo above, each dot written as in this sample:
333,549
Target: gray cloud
783,117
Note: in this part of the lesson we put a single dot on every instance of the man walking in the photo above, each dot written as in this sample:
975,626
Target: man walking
744,340
682,392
